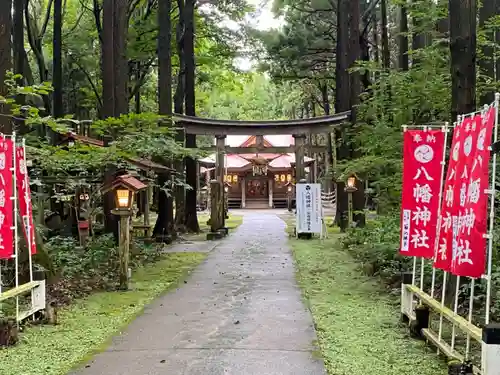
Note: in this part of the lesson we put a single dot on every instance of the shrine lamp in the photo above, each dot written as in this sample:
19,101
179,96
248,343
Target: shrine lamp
350,186
124,188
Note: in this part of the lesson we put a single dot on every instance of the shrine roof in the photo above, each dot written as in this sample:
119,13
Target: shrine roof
263,155
199,125
230,161
330,119
286,160
128,181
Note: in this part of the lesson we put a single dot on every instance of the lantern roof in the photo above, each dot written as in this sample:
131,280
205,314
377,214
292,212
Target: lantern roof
126,181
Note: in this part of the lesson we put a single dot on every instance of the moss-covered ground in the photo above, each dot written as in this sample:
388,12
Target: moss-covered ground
357,321
86,326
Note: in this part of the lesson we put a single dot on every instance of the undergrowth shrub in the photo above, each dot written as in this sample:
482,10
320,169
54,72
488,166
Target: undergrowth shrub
376,247
82,270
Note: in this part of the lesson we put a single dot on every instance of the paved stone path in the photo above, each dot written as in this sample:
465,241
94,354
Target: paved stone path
240,313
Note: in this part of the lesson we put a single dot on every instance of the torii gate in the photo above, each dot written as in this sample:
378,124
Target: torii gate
220,129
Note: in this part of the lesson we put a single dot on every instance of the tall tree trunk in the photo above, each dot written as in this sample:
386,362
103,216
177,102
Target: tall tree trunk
57,70
120,33
386,55
107,52
18,38
376,47
342,100
487,62
180,93
497,41
5,60
115,82
403,38
463,56
191,165
165,219
355,92
137,99
442,25
418,40
57,79
364,43
329,140
108,108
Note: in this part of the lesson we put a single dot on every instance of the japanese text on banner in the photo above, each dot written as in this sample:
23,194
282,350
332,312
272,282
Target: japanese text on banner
442,258
25,206
469,242
6,204
423,152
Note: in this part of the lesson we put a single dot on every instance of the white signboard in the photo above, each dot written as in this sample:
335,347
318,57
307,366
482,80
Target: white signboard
308,200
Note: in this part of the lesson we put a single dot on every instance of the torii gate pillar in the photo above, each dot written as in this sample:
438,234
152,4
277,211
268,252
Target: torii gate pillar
299,156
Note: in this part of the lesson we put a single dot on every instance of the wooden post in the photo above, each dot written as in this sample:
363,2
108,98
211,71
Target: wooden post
220,145
259,141
123,247
215,208
198,190
299,156
271,183
219,202
327,183
315,169
207,183
243,192
146,208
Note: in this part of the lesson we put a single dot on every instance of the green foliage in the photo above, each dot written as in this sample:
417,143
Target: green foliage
82,270
86,326
247,96
377,247
355,319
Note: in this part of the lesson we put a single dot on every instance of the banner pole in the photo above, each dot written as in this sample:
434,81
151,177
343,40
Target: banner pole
441,186
28,219
471,306
443,295
492,214
455,310
16,239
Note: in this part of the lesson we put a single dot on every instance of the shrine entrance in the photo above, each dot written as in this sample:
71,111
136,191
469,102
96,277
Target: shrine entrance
257,188
259,183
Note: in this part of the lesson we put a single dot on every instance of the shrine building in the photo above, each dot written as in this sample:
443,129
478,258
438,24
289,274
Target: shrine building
258,178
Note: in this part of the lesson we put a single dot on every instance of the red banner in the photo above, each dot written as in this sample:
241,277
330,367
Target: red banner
423,153
6,204
442,258
471,220
24,191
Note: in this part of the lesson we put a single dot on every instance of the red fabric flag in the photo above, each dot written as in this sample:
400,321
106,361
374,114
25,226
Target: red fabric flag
423,152
6,204
24,191
471,218
449,204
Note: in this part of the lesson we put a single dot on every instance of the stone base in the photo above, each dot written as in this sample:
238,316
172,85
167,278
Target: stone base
149,240
211,236
304,236
224,230
163,239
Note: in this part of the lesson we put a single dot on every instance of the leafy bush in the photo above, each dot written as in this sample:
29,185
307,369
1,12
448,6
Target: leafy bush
377,247
81,270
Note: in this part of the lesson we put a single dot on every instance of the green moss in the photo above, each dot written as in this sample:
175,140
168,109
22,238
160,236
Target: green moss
357,322
86,326
233,222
